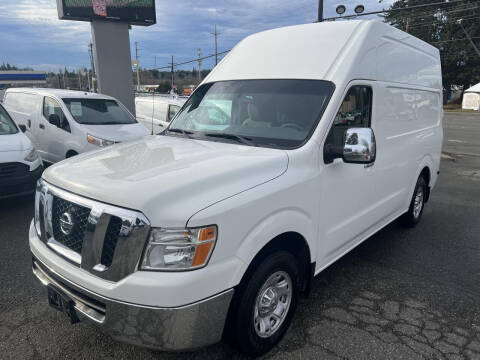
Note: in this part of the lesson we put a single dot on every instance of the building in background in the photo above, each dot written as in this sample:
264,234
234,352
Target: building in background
471,98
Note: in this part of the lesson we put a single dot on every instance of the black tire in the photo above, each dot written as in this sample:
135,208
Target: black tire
241,323
412,217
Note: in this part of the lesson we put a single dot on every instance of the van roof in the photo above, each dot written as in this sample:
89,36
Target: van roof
161,99
60,93
338,51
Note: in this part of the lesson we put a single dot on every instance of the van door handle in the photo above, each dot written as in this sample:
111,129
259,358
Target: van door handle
29,122
42,126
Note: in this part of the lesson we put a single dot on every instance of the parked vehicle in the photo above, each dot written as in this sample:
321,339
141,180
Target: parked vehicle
64,123
156,112
217,226
20,165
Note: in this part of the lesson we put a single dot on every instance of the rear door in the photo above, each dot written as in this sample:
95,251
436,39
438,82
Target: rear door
161,116
22,108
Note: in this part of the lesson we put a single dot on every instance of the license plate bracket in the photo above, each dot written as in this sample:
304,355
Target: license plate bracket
62,302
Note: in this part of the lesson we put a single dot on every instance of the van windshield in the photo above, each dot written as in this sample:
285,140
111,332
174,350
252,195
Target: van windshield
269,113
7,126
98,112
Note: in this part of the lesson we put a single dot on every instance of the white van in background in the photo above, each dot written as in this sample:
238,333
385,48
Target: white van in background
20,165
64,123
155,112
298,146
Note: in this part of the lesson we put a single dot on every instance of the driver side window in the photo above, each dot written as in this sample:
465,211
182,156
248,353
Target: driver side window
355,111
52,107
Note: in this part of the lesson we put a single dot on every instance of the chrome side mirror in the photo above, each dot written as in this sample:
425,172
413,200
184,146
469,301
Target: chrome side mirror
359,146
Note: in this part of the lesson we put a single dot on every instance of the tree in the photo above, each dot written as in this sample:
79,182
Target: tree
438,25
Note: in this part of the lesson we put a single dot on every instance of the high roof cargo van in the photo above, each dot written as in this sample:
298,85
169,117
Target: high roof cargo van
302,143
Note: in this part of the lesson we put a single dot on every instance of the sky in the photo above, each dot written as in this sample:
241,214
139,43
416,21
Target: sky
32,35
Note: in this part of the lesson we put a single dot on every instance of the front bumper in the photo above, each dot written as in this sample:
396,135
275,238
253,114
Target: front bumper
170,329
18,186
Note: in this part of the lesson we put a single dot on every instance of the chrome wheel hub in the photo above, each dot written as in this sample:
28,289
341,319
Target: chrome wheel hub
272,304
418,203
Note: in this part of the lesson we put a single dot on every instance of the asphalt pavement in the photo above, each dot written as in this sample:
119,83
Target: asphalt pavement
402,294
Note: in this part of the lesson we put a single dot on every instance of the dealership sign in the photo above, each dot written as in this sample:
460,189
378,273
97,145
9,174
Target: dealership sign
134,12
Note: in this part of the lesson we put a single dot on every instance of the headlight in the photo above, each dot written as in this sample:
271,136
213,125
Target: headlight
99,142
179,249
32,156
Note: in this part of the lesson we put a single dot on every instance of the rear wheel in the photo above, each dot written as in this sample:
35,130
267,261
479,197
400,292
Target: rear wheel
264,306
415,211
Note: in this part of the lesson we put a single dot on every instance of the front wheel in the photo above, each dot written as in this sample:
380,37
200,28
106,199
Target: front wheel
263,309
415,211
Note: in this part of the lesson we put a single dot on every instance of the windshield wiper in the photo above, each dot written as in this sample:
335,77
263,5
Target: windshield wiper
180,131
238,138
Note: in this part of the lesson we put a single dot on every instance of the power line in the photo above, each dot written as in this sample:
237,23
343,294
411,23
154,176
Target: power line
462,39
192,61
395,10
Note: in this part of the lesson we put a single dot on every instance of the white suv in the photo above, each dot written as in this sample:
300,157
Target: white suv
64,123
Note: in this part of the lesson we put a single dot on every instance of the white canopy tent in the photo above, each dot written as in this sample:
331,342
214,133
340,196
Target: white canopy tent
471,98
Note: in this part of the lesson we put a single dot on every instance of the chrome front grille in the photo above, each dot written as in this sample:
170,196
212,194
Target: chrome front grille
79,215
103,239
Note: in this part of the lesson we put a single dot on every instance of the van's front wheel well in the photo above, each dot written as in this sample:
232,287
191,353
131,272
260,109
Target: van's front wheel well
426,176
293,243
70,153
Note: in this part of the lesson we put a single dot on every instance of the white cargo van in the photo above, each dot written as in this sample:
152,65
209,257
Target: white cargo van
20,165
155,112
64,123
216,227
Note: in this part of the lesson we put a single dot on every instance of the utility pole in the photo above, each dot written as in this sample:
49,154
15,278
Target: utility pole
320,10
92,64
468,36
216,47
199,52
172,73
79,80
64,79
138,66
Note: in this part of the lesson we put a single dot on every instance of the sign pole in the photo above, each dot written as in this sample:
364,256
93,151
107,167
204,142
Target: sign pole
111,41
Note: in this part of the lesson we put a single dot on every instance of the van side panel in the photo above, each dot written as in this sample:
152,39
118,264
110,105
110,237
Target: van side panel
408,131
405,61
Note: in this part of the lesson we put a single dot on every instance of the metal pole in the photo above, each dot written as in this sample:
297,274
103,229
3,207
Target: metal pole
172,71
199,51
216,49
92,64
320,10
469,38
138,66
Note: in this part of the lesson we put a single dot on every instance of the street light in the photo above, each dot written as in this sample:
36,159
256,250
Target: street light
341,9
359,9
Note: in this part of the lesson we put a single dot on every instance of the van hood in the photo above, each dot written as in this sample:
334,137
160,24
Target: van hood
117,133
14,142
169,179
